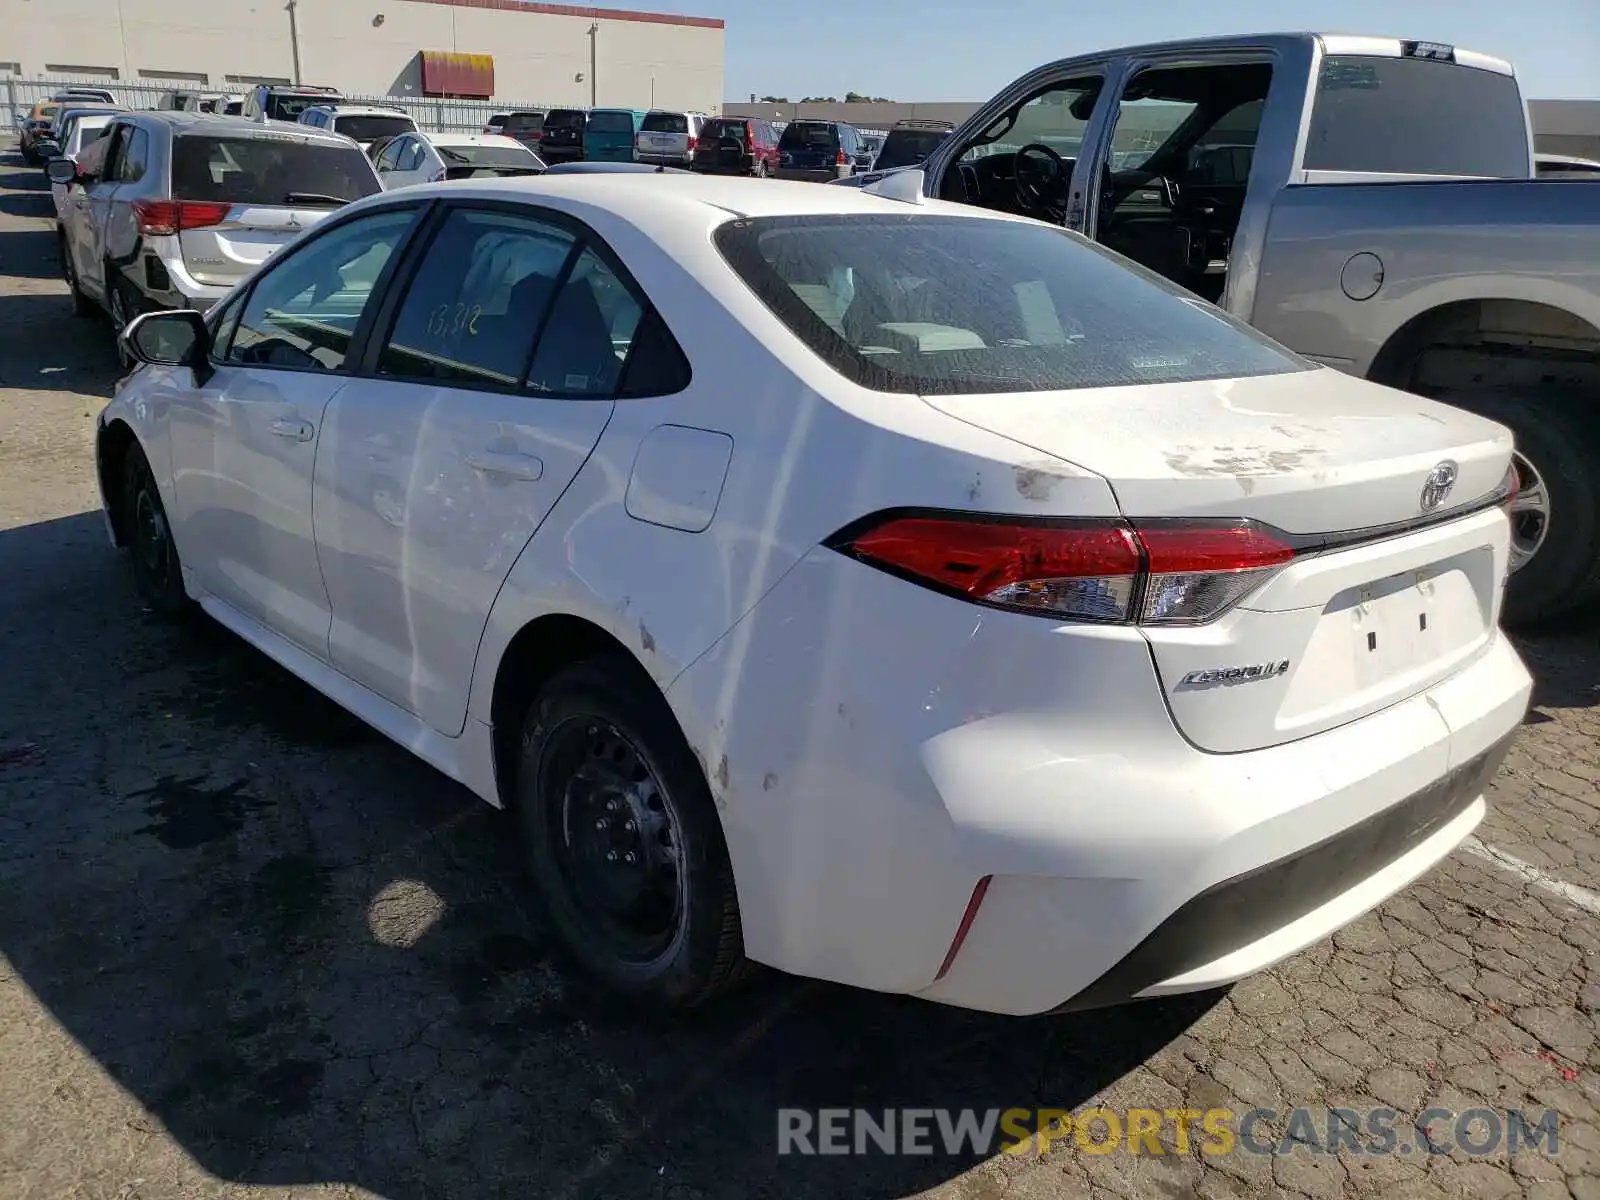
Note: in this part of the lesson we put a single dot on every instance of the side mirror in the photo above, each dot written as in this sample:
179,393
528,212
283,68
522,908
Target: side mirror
61,170
174,338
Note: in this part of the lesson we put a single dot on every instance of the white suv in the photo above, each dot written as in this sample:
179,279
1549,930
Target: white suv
364,124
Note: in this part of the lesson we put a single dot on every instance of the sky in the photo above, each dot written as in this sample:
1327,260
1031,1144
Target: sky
910,50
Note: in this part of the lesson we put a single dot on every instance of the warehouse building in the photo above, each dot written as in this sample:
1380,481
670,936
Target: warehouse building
550,54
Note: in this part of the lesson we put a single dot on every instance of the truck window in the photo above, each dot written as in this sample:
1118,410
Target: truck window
1416,116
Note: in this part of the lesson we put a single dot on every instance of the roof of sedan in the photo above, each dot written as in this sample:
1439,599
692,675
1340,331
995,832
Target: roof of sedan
634,196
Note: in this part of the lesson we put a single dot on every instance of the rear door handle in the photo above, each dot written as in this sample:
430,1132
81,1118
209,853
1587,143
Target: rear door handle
517,466
299,431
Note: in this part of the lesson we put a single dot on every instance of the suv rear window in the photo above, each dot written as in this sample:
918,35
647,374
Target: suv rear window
797,134
370,129
524,121
564,118
966,305
663,122
715,131
266,170
288,107
611,122
904,147
1416,116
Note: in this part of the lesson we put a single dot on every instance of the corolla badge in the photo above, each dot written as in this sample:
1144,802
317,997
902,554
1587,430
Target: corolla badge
1246,674
1436,488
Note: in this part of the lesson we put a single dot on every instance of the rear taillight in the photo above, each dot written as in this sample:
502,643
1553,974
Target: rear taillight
839,159
162,218
692,143
749,135
1162,573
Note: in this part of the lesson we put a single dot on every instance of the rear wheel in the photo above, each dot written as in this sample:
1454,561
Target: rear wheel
761,169
623,839
122,311
82,306
157,571
1555,521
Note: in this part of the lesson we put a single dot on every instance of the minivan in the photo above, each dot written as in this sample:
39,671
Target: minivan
608,135
668,138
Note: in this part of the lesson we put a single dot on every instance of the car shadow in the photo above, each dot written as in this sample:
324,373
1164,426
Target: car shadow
312,959
1564,658
29,253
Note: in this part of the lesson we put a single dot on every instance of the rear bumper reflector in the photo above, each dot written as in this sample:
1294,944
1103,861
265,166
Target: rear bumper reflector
966,924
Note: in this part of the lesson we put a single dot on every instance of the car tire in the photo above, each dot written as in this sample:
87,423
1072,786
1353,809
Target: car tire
157,569
82,306
761,169
122,310
1558,457
623,840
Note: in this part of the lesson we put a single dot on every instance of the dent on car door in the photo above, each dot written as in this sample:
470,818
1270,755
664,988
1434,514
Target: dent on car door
97,197
442,464
245,444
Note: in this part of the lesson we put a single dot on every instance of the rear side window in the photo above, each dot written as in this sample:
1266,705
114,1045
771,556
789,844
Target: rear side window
371,128
664,122
611,122
268,170
966,305
798,136
1416,116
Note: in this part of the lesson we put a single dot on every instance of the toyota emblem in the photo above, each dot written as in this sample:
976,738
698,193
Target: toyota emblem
1436,488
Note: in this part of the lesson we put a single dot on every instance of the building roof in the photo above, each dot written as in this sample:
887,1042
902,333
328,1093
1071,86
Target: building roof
587,13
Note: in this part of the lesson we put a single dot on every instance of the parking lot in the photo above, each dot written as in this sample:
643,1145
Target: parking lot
248,948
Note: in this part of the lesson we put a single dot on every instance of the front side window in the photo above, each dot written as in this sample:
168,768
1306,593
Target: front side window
1056,117
303,313
953,305
477,300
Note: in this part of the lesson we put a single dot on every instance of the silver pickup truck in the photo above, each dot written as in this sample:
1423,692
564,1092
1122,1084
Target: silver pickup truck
1368,202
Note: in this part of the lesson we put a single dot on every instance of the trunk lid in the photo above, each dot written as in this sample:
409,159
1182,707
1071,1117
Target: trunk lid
250,234
1383,605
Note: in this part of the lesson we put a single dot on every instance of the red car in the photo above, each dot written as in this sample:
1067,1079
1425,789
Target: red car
737,146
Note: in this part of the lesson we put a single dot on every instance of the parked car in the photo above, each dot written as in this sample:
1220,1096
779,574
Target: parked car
1565,166
77,133
820,151
910,142
668,139
36,127
737,146
608,134
285,102
226,103
363,124
170,210
728,728
526,127
1401,235
414,158
563,135
496,123
103,95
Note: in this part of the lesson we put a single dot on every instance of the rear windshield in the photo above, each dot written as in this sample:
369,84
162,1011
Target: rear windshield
564,118
47,110
715,131
1416,116
962,305
661,122
267,170
611,122
288,108
906,146
518,157
525,120
796,134
370,129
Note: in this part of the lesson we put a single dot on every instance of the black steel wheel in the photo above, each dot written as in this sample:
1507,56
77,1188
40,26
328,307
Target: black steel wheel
623,838
157,570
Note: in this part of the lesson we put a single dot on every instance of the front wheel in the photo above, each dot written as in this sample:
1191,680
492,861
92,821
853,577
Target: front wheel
157,571
623,839
1555,519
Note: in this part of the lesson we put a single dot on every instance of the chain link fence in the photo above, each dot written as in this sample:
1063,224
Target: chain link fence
435,115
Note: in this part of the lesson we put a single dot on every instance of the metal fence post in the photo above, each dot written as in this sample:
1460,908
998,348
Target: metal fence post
11,103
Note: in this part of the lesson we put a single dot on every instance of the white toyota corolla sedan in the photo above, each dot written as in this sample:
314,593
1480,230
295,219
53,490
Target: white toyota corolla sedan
890,592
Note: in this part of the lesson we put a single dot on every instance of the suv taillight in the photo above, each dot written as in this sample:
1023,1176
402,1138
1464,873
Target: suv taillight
162,218
1161,573
839,159
692,142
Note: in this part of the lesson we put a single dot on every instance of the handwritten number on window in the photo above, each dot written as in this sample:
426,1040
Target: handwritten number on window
451,319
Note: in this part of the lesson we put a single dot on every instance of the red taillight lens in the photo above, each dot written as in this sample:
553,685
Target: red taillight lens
162,218
693,141
839,159
1159,574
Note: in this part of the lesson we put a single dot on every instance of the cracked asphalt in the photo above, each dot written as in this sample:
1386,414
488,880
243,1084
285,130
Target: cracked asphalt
249,949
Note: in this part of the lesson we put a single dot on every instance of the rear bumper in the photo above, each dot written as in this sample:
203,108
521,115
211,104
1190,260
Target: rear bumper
881,749
560,154
664,160
183,290
819,175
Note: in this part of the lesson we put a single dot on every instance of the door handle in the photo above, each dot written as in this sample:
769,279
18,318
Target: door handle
518,466
299,431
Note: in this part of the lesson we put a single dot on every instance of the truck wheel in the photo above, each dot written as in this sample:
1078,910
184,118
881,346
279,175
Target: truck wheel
1555,522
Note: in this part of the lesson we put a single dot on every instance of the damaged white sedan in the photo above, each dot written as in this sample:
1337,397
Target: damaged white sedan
886,591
